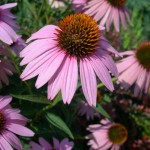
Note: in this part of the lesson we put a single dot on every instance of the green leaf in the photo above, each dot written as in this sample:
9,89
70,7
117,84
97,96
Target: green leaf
59,123
102,111
33,98
106,98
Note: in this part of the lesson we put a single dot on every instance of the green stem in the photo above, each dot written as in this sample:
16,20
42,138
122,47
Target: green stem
55,101
17,67
101,84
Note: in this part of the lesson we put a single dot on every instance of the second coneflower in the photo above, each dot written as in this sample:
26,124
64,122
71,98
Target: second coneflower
135,69
56,52
105,11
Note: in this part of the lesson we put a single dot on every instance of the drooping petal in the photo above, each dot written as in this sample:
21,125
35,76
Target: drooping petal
69,84
12,139
108,61
49,69
4,144
88,81
36,66
101,72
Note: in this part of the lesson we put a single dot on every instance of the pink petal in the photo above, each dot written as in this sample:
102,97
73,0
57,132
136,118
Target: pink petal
116,19
4,101
103,21
106,46
9,31
88,81
102,72
4,145
35,146
123,18
140,82
34,67
44,143
49,69
5,37
108,61
70,79
56,143
19,129
12,140
47,31
6,6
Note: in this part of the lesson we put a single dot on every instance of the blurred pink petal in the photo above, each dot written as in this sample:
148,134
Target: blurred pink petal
11,122
8,24
105,11
101,137
134,72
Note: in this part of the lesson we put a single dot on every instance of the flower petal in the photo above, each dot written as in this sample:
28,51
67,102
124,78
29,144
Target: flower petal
88,81
70,79
19,129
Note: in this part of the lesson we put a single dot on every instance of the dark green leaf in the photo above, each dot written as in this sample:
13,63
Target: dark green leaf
102,111
33,98
59,123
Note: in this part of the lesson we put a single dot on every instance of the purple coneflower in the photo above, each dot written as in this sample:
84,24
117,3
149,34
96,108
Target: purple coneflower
135,69
11,123
106,11
44,145
56,52
87,110
106,135
8,24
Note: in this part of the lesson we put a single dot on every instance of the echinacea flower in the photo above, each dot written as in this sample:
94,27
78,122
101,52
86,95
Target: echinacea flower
87,110
106,135
107,12
8,24
44,145
56,52
135,69
11,123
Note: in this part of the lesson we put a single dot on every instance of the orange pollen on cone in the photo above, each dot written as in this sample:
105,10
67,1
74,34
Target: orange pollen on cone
78,35
117,3
143,55
117,134
2,121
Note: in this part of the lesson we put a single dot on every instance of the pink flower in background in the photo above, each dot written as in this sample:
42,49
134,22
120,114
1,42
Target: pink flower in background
18,46
78,4
107,12
135,69
11,123
8,24
106,135
56,51
44,145
87,110
57,3
6,68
